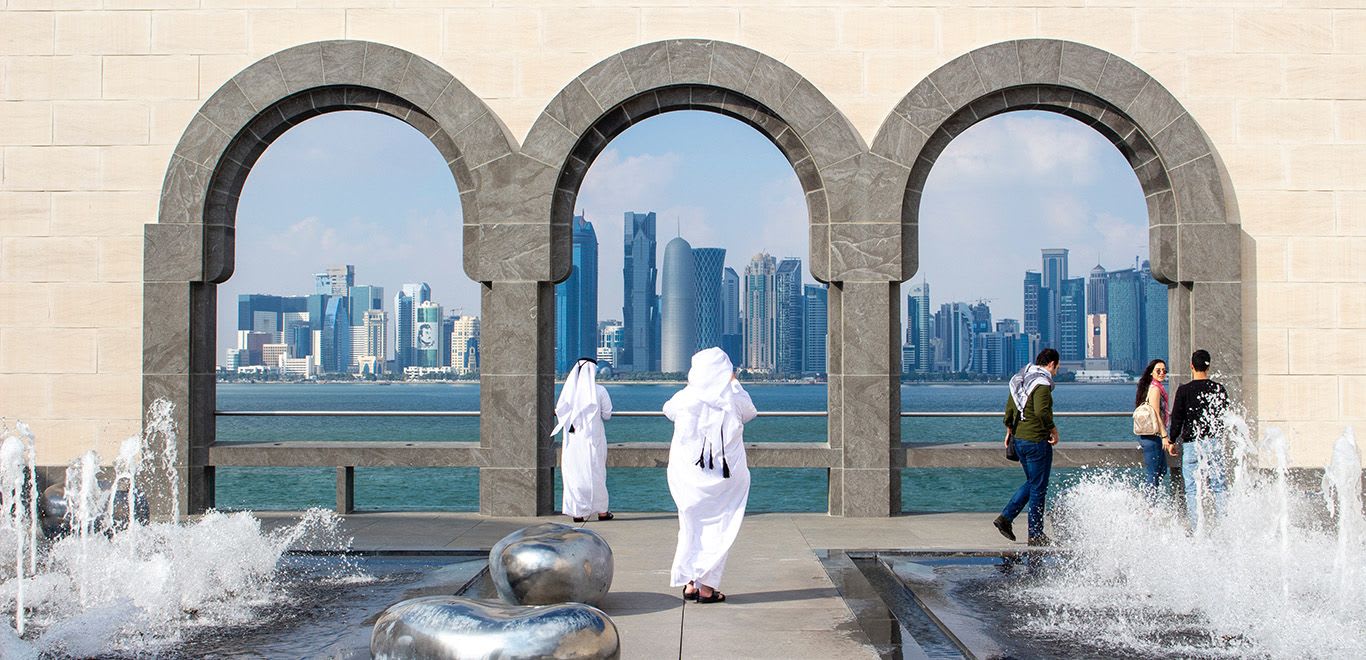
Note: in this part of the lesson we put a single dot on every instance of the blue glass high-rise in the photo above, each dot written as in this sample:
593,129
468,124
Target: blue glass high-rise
709,265
640,302
817,329
576,300
787,285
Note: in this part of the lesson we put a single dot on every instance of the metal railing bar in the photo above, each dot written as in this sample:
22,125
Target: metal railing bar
621,413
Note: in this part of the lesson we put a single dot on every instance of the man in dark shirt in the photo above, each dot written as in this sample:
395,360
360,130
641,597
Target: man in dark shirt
1198,411
1029,426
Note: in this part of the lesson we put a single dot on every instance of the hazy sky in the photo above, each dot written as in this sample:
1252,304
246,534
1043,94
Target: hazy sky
365,189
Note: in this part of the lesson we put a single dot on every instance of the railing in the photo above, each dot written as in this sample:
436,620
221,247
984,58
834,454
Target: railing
346,456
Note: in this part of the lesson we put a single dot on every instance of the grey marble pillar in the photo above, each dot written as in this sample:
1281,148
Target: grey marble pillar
865,401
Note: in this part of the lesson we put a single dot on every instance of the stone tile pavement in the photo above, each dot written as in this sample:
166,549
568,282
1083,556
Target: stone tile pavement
781,603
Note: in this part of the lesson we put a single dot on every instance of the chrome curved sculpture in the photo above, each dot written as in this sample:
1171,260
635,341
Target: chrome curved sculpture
551,563
454,628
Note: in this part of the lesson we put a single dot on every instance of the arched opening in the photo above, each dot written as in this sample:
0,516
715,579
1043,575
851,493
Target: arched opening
1035,227
683,239
189,251
343,298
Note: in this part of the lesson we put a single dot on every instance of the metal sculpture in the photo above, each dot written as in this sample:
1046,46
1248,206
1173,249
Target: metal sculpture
551,563
454,628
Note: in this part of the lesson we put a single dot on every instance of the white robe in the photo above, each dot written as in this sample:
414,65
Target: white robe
710,506
583,451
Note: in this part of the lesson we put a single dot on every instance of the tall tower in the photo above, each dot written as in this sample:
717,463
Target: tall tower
787,289
640,303
709,263
576,300
1096,321
761,312
732,326
1124,312
817,329
1154,316
1072,320
678,307
427,335
336,281
1050,299
1033,282
410,295
919,330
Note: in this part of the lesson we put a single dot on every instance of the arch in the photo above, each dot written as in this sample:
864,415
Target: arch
1194,237
687,74
190,248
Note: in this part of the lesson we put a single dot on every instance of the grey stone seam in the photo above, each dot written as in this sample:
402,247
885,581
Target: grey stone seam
973,61
622,61
579,79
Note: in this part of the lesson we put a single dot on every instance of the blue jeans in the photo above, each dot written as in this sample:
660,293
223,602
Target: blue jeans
1212,475
1154,462
1037,460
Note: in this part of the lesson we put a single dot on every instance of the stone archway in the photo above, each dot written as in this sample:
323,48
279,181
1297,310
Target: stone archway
190,249
1194,237
858,254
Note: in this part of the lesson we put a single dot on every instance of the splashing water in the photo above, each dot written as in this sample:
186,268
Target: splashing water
1269,577
117,586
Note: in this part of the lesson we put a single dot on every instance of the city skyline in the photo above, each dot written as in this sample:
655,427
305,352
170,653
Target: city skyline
317,198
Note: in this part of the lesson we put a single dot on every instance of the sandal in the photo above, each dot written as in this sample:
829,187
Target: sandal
715,597
580,520
690,595
606,516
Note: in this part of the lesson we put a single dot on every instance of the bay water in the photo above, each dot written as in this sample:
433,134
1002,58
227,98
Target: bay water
632,489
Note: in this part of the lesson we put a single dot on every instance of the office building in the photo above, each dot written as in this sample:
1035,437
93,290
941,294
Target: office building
335,281
1154,317
427,332
678,307
1033,285
1096,322
1124,312
760,313
709,264
790,328
954,330
1072,333
919,330
640,303
576,300
817,319
410,295
464,342
611,337
334,349
732,326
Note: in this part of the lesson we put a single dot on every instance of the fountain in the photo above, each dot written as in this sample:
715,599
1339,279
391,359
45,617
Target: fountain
1276,574
118,583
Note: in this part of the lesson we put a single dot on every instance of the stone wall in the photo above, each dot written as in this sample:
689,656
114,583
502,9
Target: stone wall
96,94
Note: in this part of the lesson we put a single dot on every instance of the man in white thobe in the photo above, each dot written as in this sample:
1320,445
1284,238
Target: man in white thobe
708,474
580,411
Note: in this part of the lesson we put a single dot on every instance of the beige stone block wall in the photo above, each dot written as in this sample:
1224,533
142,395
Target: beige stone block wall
95,93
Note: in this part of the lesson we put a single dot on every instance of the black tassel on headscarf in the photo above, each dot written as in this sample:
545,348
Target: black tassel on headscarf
702,458
711,460
725,467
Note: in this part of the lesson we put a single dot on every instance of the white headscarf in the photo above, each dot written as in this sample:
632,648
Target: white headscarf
1024,382
577,408
708,398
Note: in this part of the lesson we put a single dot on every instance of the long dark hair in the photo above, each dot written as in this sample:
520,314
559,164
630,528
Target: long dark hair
1145,381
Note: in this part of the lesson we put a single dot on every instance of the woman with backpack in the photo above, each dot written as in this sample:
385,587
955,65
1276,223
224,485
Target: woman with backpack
1151,415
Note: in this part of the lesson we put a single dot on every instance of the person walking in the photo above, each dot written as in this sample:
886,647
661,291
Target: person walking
708,473
582,407
1030,430
1152,392
1198,411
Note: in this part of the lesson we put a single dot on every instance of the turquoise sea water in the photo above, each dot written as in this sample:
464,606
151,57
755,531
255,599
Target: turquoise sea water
632,489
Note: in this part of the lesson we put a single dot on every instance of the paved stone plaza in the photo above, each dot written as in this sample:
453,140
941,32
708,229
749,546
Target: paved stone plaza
781,602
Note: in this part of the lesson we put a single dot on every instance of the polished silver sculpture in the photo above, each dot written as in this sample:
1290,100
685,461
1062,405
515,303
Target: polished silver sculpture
551,563
454,628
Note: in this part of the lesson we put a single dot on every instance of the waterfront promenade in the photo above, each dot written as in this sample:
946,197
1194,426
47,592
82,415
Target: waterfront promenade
781,601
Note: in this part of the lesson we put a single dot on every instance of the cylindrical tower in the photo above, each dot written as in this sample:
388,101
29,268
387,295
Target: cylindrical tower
678,307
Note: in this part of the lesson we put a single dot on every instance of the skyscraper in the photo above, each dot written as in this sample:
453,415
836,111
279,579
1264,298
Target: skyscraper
919,330
336,281
761,312
364,298
1072,320
464,342
334,354
1054,267
732,329
410,295
427,336
1124,312
709,264
678,307
611,339
954,329
981,326
790,330
640,306
817,329
1050,298
1154,316
376,322
1033,282
1096,322
576,300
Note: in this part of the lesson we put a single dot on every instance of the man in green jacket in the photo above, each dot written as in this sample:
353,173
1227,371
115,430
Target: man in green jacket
1029,427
